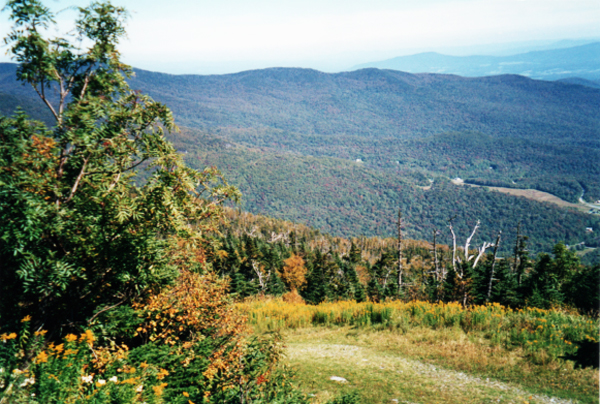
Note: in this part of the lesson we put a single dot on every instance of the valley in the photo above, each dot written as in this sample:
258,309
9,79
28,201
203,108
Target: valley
286,235
343,152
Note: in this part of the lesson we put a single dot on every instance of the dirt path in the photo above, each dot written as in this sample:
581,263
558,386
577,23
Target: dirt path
388,378
375,365
589,205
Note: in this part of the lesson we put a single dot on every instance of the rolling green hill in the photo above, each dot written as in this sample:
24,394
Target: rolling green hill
347,198
375,103
342,152
9,104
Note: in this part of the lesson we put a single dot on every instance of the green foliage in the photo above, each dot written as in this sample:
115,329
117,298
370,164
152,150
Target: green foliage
316,192
350,398
334,263
83,243
75,227
70,372
582,290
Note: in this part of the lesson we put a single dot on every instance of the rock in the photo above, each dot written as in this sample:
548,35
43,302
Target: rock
338,379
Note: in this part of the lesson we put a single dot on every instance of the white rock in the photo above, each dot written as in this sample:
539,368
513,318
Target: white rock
338,379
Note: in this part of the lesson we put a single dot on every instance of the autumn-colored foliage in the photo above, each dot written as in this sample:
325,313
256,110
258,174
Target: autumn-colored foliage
294,272
292,297
195,306
194,309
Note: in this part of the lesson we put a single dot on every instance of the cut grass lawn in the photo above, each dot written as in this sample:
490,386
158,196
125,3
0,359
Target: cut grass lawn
428,366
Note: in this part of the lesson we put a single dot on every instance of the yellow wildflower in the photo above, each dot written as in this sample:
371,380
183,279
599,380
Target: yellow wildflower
6,337
158,390
42,357
71,338
26,319
89,336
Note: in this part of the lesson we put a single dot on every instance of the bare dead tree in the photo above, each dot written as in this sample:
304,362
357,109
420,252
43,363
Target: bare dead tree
262,277
481,250
252,232
516,251
496,246
400,269
468,242
436,263
450,226
468,257
276,237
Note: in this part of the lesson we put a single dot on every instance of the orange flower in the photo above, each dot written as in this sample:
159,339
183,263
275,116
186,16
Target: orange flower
42,357
6,337
158,390
26,319
87,336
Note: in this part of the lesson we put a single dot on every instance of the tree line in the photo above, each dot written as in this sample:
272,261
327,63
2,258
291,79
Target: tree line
260,257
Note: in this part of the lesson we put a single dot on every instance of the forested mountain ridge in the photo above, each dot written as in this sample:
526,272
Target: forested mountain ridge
371,103
378,103
289,139
382,117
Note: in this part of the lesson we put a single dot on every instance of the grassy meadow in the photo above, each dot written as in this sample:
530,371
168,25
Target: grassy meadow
419,352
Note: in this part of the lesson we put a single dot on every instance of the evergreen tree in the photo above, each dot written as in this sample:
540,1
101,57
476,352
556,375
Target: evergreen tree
275,286
374,291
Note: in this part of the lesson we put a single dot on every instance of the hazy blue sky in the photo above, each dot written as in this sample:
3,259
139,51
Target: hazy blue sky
217,36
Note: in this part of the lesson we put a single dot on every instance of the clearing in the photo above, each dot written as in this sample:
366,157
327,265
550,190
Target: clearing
532,194
388,367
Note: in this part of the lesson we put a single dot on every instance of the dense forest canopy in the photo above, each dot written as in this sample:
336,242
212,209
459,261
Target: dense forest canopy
342,152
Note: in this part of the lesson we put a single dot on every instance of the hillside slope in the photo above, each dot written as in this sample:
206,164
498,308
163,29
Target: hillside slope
376,103
290,138
349,199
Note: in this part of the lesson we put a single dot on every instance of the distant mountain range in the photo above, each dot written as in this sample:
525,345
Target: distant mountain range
342,152
579,61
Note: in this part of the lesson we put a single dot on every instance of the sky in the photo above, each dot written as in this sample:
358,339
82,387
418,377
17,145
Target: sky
225,36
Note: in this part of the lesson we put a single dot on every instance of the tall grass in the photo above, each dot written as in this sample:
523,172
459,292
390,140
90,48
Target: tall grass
541,333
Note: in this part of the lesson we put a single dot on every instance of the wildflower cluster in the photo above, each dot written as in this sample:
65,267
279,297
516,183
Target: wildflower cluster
69,372
532,329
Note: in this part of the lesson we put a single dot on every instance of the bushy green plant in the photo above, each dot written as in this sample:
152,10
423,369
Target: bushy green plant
78,235
72,371
351,398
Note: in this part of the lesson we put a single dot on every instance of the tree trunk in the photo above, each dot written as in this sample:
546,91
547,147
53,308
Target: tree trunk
436,263
496,246
400,269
